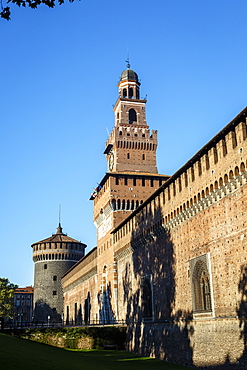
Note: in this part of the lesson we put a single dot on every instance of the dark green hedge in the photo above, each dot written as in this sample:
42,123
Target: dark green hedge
102,337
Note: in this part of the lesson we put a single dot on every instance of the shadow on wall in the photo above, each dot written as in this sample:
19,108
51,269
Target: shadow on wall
81,315
44,314
106,313
154,328
241,312
87,309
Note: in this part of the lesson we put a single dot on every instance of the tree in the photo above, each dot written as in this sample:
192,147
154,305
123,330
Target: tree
7,298
5,13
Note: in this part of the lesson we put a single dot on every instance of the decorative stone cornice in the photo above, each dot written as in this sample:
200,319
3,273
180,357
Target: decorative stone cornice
85,277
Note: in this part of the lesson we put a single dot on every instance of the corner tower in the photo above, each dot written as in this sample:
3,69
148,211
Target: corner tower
130,146
53,257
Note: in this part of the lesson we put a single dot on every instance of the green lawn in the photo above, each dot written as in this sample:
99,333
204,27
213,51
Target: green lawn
19,354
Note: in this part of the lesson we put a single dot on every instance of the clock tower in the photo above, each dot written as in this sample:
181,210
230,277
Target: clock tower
131,178
130,147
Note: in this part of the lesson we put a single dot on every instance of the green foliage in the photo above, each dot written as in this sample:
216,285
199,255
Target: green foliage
7,298
70,337
5,13
71,343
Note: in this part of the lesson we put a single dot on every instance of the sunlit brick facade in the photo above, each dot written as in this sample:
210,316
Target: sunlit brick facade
170,259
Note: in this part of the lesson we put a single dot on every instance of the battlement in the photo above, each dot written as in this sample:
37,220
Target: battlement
128,137
215,171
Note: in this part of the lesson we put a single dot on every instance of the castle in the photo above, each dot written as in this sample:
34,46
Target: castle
170,260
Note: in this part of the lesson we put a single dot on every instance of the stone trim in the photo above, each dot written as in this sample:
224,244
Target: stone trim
210,199
85,277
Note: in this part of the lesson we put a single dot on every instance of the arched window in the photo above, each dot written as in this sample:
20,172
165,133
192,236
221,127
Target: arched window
113,204
201,291
123,205
124,93
137,93
118,204
130,92
132,115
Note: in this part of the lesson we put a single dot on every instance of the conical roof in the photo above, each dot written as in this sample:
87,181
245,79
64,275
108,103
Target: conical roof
58,237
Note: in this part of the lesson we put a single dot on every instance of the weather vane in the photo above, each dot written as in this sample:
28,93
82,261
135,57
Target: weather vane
128,62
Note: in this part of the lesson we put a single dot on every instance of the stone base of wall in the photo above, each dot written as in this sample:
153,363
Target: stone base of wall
209,343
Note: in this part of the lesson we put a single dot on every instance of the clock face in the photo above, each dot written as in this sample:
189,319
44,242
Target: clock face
111,161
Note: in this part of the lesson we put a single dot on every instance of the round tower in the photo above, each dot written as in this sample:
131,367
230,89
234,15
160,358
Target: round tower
53,257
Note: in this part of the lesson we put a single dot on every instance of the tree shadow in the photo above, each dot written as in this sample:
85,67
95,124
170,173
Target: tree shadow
242,314
87,310
241,311
106,312
155,328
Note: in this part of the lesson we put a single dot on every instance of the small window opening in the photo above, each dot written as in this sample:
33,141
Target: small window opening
132,116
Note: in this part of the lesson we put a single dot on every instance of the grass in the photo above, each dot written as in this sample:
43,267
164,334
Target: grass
21,354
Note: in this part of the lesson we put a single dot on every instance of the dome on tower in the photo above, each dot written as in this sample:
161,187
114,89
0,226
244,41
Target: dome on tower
129,74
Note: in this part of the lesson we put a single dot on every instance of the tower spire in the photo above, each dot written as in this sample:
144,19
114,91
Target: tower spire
59,214
59,228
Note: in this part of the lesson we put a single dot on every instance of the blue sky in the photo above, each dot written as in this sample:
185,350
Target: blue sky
59,73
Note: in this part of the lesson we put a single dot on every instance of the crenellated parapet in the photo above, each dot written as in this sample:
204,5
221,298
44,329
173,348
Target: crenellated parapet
216,171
